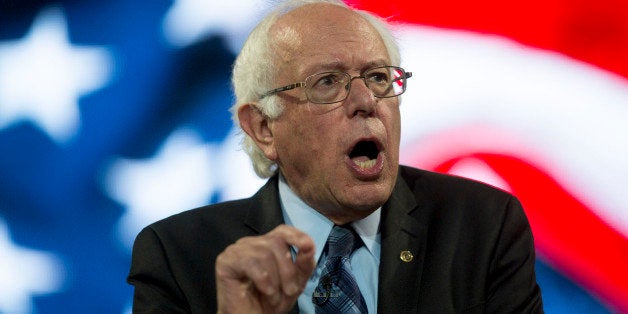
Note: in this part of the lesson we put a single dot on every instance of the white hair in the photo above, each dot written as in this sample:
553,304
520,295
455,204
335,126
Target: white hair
254,73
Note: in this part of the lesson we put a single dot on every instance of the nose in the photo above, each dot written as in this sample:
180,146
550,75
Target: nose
360,100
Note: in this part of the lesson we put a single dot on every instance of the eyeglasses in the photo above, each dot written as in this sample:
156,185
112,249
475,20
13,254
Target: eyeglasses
332,87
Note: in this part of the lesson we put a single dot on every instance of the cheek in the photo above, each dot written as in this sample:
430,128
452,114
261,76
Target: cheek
395,122
390,117
393,131
312,129
302,138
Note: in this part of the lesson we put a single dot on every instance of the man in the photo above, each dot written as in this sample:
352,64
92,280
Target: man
317,88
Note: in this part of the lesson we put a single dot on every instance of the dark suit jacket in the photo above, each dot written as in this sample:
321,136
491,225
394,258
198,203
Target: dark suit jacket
472,246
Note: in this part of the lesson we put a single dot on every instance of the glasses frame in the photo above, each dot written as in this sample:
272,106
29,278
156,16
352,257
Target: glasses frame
405,75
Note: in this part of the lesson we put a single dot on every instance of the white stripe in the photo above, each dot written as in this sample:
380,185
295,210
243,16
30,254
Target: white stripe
573,115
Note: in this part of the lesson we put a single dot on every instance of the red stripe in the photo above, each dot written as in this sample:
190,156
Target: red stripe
566,232
594,31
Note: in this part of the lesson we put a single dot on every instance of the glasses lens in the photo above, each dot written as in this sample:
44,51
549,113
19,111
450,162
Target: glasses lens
386,81
327,87
331,87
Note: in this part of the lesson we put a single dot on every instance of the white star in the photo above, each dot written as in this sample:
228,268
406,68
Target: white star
42,76
188,21
24,273
184,174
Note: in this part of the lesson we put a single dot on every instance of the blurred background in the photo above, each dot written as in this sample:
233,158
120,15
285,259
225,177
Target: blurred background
114,114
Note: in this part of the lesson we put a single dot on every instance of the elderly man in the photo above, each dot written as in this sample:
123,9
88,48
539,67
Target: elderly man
339,226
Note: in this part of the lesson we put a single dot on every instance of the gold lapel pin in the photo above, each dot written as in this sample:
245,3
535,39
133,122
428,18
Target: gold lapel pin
406,256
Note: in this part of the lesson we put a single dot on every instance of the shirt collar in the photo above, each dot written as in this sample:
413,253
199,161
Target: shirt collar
305,218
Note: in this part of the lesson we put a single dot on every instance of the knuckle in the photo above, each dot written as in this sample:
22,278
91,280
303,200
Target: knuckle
260,276
266,256
275,241
242,241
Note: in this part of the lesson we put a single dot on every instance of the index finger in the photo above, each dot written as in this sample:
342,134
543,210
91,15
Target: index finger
294,271
295,238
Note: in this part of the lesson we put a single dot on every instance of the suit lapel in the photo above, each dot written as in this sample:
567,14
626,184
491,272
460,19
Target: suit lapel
264,213
403,230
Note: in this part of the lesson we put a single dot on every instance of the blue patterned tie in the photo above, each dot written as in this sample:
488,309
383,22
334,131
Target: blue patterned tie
337,290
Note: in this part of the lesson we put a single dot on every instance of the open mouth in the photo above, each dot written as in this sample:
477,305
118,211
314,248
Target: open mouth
364,154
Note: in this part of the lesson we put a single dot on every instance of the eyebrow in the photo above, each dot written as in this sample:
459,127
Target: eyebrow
340,66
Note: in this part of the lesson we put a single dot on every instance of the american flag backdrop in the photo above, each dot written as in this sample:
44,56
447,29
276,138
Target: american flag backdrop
114,114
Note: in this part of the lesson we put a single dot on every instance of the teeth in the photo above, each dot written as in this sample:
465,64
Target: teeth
366,164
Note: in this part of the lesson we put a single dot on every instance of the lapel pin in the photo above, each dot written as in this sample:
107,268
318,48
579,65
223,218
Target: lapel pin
406,256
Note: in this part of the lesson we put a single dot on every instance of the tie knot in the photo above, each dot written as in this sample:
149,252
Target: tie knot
342,241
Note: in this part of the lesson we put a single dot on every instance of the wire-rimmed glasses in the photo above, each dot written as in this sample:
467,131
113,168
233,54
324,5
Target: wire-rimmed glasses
334,86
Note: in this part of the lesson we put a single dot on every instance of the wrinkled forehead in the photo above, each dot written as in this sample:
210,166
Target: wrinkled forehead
318,27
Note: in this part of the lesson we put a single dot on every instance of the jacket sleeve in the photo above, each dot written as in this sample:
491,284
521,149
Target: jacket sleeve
156,289
512,286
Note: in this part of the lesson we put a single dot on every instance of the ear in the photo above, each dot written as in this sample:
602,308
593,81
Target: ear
255,124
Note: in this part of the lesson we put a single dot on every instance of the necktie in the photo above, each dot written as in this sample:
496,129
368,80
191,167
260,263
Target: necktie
337,290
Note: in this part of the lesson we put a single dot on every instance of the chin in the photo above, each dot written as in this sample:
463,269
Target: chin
367,199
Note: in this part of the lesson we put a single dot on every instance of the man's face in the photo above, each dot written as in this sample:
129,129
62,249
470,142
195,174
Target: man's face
340,158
